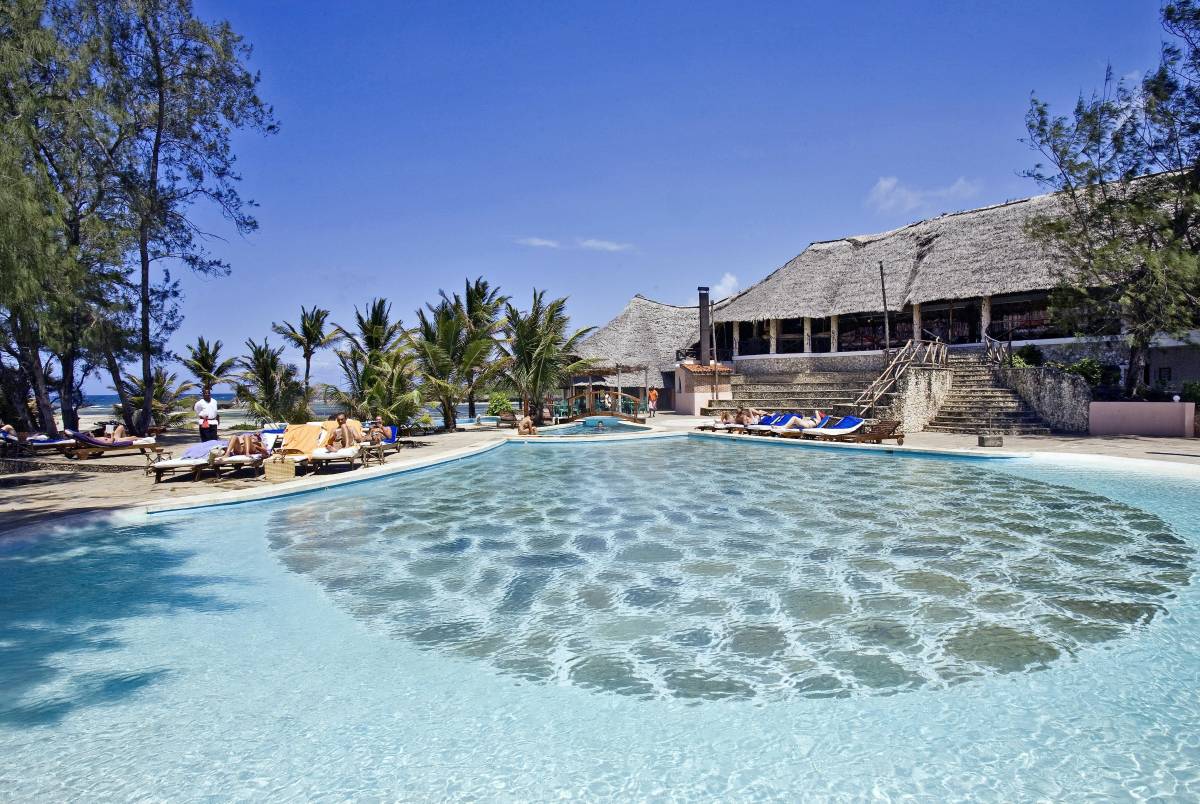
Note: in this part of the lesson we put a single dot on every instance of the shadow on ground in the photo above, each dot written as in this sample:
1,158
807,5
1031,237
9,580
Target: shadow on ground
61,596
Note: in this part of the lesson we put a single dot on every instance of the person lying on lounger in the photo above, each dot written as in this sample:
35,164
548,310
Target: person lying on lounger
727,417
248,445
8,428
798,423
118,434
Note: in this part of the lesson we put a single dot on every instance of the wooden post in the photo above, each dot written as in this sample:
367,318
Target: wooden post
773,331
619,411
833,333
985,316
807,334
887,333
737,326
918,330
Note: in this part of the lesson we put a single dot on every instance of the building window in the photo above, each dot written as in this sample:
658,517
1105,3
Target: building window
1164,375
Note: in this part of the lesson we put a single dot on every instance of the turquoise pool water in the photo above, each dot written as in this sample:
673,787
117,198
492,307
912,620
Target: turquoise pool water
669,619
594,426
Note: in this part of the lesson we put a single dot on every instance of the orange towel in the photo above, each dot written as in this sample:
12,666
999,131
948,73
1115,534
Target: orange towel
302,439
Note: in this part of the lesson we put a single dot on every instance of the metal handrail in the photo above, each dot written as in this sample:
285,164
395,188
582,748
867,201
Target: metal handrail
914,352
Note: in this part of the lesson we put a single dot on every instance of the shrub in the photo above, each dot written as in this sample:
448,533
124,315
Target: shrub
1029,355
498,404
1190,392
1089,368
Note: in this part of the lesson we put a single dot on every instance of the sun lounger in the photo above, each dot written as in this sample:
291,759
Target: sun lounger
846,426
717,426
772,427
88,447
323,457
172,465
33,445
873,434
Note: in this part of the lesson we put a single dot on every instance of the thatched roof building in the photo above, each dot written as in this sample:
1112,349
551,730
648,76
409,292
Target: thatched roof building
980,252
646,333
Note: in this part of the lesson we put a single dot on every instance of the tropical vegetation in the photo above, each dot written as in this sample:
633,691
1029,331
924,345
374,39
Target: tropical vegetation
268,386
1126,164
206,365
168,397
309,337
540,354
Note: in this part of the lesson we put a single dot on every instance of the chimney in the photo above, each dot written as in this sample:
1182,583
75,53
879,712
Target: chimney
705,326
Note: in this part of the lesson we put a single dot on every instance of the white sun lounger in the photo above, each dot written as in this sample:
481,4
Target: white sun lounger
324,457
173,465
831,431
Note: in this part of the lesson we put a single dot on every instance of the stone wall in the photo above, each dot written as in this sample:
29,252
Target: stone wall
919,394
810,363
1060,398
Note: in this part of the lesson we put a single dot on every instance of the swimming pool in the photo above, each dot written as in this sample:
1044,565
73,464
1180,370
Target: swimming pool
594,426
671,618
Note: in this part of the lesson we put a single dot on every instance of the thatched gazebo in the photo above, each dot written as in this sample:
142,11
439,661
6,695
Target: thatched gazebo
637,349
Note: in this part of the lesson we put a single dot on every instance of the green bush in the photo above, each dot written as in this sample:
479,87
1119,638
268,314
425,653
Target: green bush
1089,368
1190,392
498,404
1029,355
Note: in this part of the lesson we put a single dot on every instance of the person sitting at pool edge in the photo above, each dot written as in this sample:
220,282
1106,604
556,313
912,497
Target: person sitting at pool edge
525,427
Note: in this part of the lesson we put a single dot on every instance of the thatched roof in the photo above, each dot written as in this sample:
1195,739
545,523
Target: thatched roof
645,333
980,252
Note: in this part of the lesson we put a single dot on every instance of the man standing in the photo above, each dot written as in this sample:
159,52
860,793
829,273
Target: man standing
653,405
206,413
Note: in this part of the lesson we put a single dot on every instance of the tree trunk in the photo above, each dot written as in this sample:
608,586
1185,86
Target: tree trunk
449,417
114,371
307,393
66,389
16,393
147,412
471,405
29,349
1137,367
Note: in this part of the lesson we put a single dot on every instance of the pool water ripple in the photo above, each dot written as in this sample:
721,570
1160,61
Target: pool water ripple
697,571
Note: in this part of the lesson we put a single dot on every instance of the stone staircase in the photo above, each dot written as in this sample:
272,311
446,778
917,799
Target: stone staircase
832,392
978,400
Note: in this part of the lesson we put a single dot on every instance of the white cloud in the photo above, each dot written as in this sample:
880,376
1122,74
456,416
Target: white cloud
538,242
891,195
592,244
726,287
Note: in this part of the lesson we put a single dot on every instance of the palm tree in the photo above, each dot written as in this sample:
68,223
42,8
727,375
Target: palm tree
374,330
167,408
270,387
541,355
480,306
452,359
384,386
205,363
310,337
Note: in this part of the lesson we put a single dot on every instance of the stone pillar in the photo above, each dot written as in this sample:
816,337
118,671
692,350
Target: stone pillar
807,334
774,331
737,332
985,316
918,329
833,333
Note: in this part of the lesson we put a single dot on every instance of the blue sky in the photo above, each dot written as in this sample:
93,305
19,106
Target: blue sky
601,150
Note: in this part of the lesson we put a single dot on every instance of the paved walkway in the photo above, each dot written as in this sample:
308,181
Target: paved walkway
42,496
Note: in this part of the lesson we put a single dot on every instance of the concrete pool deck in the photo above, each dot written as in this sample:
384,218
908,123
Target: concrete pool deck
42,496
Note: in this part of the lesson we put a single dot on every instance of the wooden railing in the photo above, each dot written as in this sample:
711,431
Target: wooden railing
914,353
599,402
998,353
